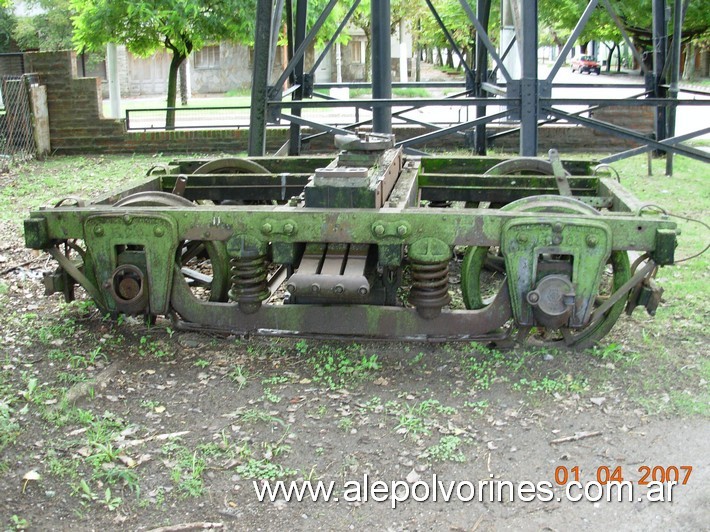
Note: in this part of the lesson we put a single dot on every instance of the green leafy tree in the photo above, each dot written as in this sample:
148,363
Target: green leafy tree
48,29
7,26
180,26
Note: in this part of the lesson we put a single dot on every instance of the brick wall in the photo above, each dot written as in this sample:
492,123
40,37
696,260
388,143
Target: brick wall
76,122
77,125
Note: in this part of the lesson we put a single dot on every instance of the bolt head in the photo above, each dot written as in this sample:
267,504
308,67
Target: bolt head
289,228
291,288
379,230
98,231
557,240
363,290
522,238
127,219
338,289
557,227
158,231
592,241
402,230
533,297
315,288
266,228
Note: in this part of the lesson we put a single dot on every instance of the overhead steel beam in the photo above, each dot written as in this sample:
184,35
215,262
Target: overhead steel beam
294,140
630,134
529,84
576,32
481,32
643,149
483,10
334,38
260,78
678,16
660,45
301,50
381,64
620,25
449,130
449,37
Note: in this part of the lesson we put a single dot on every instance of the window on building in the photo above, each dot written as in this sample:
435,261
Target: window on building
207,57
356,52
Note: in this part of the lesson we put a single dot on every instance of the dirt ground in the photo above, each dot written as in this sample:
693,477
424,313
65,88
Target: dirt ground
117,425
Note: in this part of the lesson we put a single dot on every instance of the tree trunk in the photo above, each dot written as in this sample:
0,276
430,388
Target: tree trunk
689,67
610,56
183,83
449,58
175,63
618,58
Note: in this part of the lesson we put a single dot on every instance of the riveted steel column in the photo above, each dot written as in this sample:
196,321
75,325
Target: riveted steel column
529,85
294,145
660,45
381,64
483,11
260,78
678,16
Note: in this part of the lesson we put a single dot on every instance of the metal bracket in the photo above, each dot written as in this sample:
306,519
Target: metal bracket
560,174
107,234
526,245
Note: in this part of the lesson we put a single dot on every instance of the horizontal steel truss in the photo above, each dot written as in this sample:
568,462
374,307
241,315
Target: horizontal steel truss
528,100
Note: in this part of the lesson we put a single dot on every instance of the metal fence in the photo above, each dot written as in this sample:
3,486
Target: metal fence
16,134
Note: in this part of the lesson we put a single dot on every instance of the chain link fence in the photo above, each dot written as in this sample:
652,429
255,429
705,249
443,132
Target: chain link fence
16,135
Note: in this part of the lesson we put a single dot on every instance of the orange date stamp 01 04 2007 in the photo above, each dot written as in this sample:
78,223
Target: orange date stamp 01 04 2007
646,474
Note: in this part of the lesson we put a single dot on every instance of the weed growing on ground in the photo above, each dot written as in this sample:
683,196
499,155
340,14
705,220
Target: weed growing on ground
447,450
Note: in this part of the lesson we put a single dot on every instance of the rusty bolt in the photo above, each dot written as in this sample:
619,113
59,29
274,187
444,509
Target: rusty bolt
98,230
266,228
289,229
158,231
557,227
402,230
127,219
522,238
379,230
592,241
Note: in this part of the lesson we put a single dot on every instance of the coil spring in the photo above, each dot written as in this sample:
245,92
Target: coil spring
248,276
430,287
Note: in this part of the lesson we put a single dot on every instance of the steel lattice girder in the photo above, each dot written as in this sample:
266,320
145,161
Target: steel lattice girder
525,97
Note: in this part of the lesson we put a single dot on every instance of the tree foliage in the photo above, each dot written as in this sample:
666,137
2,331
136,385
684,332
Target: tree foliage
49,28
180,26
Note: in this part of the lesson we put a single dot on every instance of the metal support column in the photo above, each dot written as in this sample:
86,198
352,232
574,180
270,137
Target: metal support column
529,81
381,64
660,45
294,145
678,16
260,78
483,11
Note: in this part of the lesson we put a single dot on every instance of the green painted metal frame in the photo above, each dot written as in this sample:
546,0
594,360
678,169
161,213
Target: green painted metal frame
244,231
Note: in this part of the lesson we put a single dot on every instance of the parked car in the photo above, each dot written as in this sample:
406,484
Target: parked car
586,63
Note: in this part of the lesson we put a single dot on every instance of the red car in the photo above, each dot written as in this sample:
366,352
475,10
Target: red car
586,63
